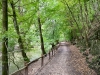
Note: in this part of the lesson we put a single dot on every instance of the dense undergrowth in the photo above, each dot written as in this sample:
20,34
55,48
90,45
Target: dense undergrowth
92,54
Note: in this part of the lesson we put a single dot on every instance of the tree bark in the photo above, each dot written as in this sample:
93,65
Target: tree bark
41,37
26,60
5,69
73,16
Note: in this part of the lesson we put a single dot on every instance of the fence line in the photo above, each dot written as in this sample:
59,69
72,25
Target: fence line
42,62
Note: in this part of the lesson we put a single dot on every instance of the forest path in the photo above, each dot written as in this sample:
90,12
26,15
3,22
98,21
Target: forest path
67,61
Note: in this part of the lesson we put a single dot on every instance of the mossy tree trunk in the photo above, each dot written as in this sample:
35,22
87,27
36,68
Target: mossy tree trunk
41,37
26,59
5,69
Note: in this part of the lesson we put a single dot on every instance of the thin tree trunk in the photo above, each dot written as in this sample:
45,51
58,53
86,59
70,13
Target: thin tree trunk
5,69
73,16
82,19
26,60
41,37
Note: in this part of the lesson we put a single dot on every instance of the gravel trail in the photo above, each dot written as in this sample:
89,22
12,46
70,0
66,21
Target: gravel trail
64,63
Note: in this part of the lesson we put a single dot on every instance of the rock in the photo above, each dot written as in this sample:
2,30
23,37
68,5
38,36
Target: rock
90,57
86,53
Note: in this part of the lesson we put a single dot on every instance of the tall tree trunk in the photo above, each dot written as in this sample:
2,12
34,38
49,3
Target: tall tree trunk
5,69
41,37
26,60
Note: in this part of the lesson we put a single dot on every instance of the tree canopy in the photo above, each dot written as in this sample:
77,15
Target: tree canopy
76,21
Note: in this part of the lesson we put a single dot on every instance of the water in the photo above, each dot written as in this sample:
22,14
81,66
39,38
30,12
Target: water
17,59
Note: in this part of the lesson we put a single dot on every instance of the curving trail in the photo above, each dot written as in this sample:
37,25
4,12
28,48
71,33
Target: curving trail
67,61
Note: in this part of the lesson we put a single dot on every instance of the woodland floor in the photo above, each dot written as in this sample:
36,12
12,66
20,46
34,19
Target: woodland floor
67,61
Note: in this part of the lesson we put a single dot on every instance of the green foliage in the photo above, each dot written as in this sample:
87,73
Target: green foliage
12,36
0,4
56,18
95,64
95,47
60,19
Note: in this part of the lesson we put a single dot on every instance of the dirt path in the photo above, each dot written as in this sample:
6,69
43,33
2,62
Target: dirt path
67,61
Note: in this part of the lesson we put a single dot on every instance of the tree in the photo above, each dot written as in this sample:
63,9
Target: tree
5,70
41,37
21,45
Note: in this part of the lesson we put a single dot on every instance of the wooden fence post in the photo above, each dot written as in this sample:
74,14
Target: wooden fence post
52,52
42,60
26,70
49,56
